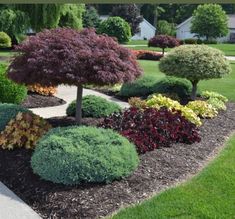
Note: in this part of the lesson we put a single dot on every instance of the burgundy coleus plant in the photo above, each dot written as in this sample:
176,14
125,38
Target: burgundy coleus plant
72,57
150,128
163,41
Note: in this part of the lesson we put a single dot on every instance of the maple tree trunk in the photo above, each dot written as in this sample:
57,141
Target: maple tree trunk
78,118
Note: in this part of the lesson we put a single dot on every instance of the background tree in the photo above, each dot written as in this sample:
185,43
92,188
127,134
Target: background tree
163,41
42,15
91,17
210,21
166,28
67,56
195,63
71,16
14,22
131,14
116,27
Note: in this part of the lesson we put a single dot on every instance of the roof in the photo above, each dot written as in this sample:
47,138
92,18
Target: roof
231,21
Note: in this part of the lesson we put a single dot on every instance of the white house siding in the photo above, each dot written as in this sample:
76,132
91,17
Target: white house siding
147,31
183,30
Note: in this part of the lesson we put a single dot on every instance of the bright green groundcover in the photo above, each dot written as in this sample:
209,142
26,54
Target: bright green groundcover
211,194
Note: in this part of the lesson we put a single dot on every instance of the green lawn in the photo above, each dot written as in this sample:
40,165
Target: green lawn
6,53
211,194
228,49
225,86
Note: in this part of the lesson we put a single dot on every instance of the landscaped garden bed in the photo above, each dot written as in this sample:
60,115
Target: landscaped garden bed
158,170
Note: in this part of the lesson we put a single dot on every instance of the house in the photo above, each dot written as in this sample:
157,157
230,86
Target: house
183,30
147,30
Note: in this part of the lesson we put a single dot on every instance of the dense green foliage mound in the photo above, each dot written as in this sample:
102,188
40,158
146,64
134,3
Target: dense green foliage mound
116,27
73,155
5,40
8,112
94,106
10,92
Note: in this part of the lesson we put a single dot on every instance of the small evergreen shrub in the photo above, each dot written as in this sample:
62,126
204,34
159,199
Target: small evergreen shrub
143,86
202,109
171,85
74,155
158,101
5,40
190,41
8,112
94,106
10,92
116,27
23,131
152,128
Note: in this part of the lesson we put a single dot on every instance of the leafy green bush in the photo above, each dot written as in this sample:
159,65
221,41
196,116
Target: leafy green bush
190,41
10,92
195,63
94,106
5,40
8,112
74,155
116,27
171,85
141,87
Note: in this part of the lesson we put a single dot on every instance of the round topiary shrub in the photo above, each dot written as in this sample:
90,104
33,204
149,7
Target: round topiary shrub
195,63
116,27
8,112
94,106
170,85
10,92
74,155
5,40
141,87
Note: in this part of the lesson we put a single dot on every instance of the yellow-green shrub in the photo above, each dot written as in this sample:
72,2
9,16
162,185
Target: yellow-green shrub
217,103
23,131
137,102
211,94
43,90
158,101
202,109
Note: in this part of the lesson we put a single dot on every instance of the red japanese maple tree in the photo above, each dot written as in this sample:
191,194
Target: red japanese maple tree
67,56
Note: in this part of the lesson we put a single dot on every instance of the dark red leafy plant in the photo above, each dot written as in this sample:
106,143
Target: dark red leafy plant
67,56
150,128
163,41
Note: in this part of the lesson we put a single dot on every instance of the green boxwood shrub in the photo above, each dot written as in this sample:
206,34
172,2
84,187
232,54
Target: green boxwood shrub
10,92
94,106
139,88
74,155
8,112
5,40
116,27
171,85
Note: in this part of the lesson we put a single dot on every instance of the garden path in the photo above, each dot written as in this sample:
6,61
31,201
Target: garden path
68,93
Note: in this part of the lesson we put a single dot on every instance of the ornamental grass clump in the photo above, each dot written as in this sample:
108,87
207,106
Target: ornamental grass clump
72,57
195,63
151,128
75,155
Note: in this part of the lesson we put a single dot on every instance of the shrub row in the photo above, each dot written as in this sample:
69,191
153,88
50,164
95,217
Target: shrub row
147,55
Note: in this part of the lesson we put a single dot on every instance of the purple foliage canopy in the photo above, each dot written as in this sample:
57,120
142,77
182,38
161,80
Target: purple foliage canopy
67,56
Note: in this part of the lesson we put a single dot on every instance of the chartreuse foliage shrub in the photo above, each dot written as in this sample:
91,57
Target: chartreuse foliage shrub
195,63
116,27
94,106
215,99
151,128
73,155
137,102
23,131
5,40
42,90
202,109
10,92
8,112
158,101
143,86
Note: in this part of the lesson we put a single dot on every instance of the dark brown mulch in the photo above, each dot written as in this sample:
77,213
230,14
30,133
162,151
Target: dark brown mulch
158,170
34,100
